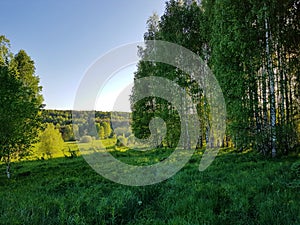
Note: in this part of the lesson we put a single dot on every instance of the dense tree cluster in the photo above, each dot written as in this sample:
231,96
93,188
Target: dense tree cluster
253,50
107,123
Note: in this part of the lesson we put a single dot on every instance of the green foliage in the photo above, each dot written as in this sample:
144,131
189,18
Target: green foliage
68,132
253,63
131,140
184,24
86,139
122,131
295,168
70,126
51,141
107,129
251,48
295,172
20,101
121,141
101,132
71,153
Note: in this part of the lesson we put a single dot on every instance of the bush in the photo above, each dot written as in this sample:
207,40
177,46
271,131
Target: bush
122,131
51,141
131,140
121,141
86,139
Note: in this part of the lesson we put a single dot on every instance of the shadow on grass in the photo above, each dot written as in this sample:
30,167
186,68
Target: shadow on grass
238,188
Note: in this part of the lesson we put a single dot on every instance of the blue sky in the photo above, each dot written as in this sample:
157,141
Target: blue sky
64,37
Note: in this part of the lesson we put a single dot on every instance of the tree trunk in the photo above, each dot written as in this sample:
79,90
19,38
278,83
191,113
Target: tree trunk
8,165
265,124
271,90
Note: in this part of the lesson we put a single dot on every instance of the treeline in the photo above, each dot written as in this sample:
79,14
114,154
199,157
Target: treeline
253,49
102,124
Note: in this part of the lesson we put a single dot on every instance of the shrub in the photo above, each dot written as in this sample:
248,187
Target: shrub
51,141
86,139
131,140
121,141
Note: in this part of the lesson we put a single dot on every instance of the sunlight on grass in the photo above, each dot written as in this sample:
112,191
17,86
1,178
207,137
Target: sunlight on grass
238,188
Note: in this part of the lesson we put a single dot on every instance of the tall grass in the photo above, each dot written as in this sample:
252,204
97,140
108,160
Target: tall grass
236,189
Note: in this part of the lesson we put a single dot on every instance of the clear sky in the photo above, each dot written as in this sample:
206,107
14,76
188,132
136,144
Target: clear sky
64,37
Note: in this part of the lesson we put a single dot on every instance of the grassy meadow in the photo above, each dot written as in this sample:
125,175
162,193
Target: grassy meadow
72,147
238,188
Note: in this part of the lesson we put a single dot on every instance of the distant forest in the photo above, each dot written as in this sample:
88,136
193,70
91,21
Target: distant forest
62,120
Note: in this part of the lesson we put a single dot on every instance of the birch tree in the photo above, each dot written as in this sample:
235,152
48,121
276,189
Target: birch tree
20,101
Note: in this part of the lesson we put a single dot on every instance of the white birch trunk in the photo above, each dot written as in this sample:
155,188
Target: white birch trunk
272,91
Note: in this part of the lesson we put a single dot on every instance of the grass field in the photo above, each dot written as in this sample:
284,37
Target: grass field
73,147
238,188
